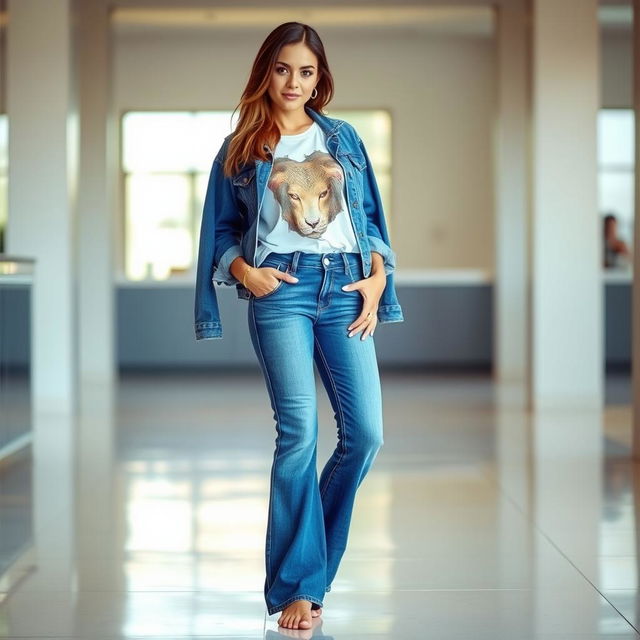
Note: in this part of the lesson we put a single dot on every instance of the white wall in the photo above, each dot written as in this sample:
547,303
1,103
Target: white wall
439,89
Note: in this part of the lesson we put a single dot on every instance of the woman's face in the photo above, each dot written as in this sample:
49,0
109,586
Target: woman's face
295,73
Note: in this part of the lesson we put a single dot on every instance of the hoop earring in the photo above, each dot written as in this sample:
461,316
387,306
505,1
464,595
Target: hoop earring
312,96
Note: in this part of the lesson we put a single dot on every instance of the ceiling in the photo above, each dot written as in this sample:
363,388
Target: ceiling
460,20
476,20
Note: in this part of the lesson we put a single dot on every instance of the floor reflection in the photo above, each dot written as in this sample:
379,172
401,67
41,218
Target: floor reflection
478,520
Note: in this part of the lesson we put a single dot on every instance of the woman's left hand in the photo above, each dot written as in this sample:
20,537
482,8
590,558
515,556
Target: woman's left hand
371,289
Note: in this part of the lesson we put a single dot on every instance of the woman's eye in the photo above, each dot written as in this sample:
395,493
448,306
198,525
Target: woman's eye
306,72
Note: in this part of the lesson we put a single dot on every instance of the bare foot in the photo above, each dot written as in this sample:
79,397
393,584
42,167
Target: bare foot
316,612
297,615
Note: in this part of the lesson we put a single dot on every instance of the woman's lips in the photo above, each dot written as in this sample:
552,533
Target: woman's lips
291,96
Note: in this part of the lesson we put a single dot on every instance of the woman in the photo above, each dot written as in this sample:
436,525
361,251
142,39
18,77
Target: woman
293,218
616,251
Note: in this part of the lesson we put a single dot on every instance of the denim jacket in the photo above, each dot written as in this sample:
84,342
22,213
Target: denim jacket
230,222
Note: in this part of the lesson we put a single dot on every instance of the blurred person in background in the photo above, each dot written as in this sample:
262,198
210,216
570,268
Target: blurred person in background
616,251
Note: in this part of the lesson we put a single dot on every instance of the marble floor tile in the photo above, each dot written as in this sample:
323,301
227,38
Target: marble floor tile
146,518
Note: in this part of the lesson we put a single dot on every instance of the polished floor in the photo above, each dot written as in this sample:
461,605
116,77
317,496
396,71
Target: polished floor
478,521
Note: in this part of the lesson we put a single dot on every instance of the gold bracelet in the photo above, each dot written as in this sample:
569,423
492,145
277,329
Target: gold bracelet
244,277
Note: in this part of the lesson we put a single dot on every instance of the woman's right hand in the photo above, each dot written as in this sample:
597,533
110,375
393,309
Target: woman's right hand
263,280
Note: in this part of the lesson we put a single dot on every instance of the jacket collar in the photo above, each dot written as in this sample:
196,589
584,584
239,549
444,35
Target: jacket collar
328,125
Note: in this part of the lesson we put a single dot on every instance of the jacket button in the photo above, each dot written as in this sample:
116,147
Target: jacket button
355,204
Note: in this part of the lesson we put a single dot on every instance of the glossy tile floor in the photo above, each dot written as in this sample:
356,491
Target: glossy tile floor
477,521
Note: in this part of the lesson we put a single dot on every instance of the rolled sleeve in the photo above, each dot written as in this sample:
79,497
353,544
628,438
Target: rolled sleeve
388,255
222,271
377,233
208,331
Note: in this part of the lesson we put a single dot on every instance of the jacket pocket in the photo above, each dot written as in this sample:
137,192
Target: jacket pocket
244,187
357,160
244,178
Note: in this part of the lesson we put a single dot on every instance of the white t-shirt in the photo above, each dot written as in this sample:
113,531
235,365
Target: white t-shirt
304,207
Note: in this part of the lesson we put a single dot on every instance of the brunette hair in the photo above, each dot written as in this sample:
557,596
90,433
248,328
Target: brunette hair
256,125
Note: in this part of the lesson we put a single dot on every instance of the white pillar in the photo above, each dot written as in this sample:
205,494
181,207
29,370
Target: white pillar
43,168
566,280
635,335
95,220
3,63
43,136
511,212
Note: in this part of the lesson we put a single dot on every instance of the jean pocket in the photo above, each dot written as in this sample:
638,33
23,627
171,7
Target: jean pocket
276,288
271,261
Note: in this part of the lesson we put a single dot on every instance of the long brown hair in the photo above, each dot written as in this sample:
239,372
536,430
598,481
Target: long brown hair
256,125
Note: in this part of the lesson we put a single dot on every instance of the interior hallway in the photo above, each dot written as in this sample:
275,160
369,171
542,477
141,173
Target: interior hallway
464,527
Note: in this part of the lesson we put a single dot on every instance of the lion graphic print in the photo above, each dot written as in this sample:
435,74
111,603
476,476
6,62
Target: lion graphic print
304,207
308,192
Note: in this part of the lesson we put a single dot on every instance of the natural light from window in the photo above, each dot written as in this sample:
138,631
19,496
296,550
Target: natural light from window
616,169
166,160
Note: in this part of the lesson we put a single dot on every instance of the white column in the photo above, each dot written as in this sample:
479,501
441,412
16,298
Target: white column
566,281
635,335
3,64
43,137
43,167
511,212
95,220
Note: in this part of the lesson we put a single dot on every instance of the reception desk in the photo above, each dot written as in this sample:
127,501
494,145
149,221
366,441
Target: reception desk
448,324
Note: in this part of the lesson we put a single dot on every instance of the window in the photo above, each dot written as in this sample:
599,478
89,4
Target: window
166,160
374,127
616,169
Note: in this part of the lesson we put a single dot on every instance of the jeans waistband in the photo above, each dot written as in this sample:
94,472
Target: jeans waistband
333,260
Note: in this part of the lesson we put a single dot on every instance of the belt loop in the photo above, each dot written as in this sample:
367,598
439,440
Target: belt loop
347,266
344,259
294,262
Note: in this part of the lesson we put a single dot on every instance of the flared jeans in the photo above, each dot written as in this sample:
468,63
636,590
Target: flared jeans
292,327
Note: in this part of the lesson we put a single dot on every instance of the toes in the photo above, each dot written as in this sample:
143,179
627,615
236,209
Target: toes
283,621
297,619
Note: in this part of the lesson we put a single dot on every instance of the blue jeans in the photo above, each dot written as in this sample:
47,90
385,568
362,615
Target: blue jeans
291,327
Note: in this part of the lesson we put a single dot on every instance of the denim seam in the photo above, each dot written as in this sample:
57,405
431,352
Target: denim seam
341,413
278,607
327,273
349,272
268,377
